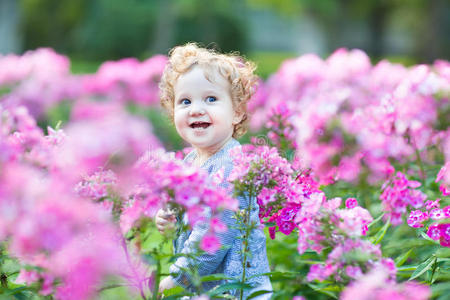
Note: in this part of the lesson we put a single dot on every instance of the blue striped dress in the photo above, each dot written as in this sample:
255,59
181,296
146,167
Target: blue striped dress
228,259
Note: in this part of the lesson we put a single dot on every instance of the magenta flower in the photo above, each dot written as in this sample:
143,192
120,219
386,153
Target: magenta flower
446,211
210,243
398,195
285,227
266,195
432,204
437,214
351,203
445,234
416,218
434,232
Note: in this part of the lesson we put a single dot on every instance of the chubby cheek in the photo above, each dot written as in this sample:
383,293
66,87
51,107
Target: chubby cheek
180,123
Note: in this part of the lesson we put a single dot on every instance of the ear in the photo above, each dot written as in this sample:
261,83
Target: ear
238,116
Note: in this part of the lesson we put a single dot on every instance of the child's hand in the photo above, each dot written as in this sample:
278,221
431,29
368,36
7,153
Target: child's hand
166,284
165,221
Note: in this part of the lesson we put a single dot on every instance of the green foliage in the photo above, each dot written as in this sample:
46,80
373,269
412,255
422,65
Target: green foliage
211,27
269,62
51,23
115,28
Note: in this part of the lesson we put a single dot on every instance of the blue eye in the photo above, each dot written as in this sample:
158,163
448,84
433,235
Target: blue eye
185,101
211,99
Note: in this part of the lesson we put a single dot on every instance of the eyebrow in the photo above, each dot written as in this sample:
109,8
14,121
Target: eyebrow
186,95
182,96
210,92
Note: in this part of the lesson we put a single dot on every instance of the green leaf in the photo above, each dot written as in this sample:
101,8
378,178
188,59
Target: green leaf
215,277
228,286
376,239
423,267
399,261
425,236
173,291
21,296
258,293
406,268
277,274
376,220
441,288
322,290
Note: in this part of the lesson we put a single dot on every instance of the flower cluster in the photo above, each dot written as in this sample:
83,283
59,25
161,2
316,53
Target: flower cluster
97,186
398,195
37,80
160,180
281,131
444,176
41,79
348,116
349,260
57,236
376,285
291,200
440,230
127,80
273,180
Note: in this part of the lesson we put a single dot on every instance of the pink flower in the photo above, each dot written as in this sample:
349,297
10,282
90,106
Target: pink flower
432,204
201,297
27,276
437,214
266,195
400,194
443,171
416,218
317,272
446,211
285,227
376,285
351,203
444,190
353,272
445,234
434,232
217,225
272,231
210,244
352,221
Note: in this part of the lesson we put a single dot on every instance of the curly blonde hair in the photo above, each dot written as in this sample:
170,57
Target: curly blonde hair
235,69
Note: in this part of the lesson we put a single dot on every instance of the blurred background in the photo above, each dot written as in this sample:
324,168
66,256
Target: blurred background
266,31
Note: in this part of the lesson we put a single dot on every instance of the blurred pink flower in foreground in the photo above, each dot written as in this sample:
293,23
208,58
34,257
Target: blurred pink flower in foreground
376,286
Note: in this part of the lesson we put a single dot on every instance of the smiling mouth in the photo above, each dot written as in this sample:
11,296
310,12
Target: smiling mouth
202,125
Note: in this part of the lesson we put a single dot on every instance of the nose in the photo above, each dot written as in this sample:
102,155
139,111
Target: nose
197,109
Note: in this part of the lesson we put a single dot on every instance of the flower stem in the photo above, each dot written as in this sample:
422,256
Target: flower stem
157,280
246,245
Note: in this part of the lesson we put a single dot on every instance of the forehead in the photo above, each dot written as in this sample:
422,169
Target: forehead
201,78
